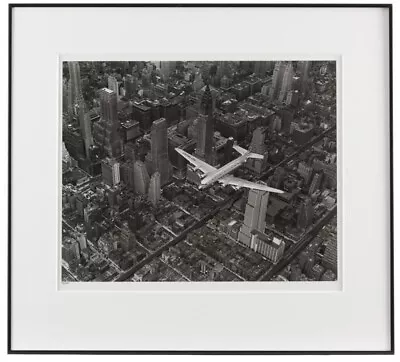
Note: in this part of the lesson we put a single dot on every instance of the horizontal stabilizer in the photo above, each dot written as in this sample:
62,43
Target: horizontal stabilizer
239,149
256,155
243,151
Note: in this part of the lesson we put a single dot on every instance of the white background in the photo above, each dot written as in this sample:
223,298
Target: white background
34,159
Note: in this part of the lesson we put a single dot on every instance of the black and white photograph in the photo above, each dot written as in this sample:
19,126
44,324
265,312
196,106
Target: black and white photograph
201,179
199,171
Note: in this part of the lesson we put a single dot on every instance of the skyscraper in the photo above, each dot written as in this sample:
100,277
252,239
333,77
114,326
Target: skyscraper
108,105
329,260
228,150
128,173
276,180
76,104
159,150
258,146
110,172
252,233
85,126
146,79
205,129
129,151
115,173
82,240
141,178
167,68
277,78
287,79
154,188
206,103
198,81
70,251
205,71
254,217
293,97
205,139
106,131
130,85
74,87
113,85
306,214
305,171
65,96
315,183
303,69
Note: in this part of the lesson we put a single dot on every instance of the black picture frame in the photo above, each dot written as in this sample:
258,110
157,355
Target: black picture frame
10,350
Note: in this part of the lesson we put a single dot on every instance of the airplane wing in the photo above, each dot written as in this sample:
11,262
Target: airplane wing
199,164
238,182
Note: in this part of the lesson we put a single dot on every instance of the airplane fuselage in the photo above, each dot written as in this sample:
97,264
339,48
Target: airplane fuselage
224,170
211,174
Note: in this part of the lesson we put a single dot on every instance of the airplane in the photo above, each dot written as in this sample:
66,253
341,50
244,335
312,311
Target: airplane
211,174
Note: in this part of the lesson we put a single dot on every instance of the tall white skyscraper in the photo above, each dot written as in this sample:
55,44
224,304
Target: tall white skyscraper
74,88
287,79
254,217
155,188
115,173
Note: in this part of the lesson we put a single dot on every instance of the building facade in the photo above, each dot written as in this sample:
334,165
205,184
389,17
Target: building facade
106,130
155,188
254,217
159,150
